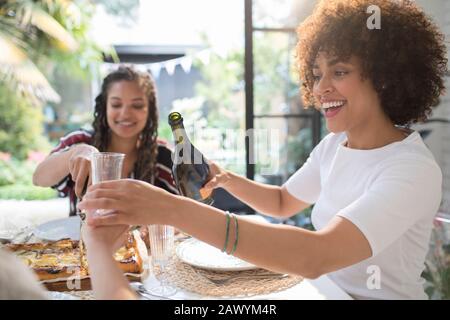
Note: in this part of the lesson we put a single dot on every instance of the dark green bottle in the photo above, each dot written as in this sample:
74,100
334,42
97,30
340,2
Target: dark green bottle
190,168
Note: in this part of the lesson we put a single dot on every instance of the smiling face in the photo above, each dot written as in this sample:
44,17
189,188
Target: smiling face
126,109
347,101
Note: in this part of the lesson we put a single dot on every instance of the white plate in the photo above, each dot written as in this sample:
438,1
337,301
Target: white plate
7,235
202,255
59,229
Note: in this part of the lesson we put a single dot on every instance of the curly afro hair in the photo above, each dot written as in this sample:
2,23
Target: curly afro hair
405,59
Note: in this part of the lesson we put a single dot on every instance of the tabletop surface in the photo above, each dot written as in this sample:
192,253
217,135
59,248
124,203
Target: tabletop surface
322,288
317,289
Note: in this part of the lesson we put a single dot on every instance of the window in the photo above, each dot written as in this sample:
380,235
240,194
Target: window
275,107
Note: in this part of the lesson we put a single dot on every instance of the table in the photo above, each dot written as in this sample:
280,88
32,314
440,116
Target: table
318,289
322,288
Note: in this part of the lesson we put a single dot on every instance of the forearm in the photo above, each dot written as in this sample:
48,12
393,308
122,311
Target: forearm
108,281
53,169
261,197
279,248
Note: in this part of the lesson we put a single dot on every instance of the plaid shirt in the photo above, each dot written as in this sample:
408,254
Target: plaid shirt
163,177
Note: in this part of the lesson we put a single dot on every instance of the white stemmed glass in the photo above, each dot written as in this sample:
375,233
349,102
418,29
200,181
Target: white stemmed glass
161,246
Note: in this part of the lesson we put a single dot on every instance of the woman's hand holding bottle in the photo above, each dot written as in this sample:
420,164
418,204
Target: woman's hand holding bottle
219,177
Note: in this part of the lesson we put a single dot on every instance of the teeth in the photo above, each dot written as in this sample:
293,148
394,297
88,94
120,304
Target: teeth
332,104
125,123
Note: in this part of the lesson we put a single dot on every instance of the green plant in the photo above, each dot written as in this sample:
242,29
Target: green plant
40,41
26,192
437,272
164,131
298,147
274,80
16,172
27,29
16,181
20,125
38,35
6,174
222,106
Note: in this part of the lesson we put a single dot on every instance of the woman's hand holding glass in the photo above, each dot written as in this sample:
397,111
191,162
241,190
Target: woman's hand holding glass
133,202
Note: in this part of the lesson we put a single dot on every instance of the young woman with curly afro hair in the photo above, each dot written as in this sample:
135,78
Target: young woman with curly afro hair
374,184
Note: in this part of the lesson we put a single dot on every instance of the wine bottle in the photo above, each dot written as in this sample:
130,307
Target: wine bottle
190,168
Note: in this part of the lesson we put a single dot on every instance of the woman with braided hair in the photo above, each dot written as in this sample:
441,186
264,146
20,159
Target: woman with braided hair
125,121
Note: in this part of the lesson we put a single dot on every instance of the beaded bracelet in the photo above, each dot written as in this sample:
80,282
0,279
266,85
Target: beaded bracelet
236,234
227,232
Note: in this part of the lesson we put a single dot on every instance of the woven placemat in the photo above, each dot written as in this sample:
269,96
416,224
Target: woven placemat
83,295
196,280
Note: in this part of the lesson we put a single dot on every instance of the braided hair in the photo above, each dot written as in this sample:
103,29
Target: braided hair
144,168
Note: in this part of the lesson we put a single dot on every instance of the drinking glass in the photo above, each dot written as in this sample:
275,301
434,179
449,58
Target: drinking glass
161,246
106,166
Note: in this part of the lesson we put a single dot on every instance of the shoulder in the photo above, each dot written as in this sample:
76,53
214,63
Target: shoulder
77,136
413,167
412,154
164,168
164,154
163,148
329,144
163,145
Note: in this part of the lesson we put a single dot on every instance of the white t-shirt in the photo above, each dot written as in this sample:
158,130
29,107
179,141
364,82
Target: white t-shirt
391,194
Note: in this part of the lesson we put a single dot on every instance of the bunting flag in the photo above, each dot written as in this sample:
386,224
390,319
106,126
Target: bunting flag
170,65
186,64
155,69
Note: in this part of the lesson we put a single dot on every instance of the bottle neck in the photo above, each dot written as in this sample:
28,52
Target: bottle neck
179,134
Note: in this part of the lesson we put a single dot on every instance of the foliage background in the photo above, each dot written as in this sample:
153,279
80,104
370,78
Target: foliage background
50,41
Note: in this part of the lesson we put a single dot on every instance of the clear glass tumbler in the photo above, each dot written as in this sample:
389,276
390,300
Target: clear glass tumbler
106,166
